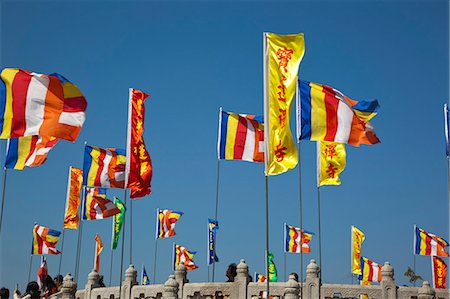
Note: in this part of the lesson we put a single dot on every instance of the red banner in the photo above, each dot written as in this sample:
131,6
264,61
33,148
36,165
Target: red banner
139,164
439,272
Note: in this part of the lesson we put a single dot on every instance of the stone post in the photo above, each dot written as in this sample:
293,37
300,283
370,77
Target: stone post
292,289
181,278
242,279
69,287
92,281
312,283
129,282
388,287
170,290
426,292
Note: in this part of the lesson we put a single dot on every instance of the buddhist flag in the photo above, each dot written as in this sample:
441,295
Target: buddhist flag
260,277
28,151
138,165
98,250
74,185
165,223
371,271
104,167
181,255
44,240
426,243
439,271
282,56
42,272
357,240
296,238
117,222
331,160
145,280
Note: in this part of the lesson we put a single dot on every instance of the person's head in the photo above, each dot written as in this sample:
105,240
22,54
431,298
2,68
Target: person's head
33,289
48,282
4,293
58,279
295,276
231,272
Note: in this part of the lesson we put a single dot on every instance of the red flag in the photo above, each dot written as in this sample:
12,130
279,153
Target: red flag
439,272
139,164
42,272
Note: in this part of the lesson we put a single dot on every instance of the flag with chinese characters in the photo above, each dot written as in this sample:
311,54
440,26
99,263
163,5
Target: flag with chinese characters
357,240
371,271
296,238
74,185
98,250
426,243
213,226
259,277
282,56
165,223
117,222
273,273
331,160
44,240
42,272
28,151
183,256
439,271
139,165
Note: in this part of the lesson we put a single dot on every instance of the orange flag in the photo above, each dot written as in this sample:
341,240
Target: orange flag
71,218
139,164
439,271
98,250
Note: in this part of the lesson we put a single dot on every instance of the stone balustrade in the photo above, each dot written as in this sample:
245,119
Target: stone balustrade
178,286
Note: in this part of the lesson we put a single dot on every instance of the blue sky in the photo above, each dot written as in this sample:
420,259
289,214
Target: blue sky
193,57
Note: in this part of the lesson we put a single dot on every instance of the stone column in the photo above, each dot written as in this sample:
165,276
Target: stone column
129,282
388,287
426,291
69,287
170,290
292,289
92,281
242,279
181,278
312,283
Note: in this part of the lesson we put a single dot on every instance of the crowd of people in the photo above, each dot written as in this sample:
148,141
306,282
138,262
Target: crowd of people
34,291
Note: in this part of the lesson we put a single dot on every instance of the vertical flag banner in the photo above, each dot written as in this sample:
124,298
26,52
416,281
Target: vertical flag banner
213,226
74,185
145,280
97,206
371,272
260,277
42,272
241,137
38,104
282,55
331,161
296,238
28,151
165,223
98,250
428,244
357,240
104,167
446,126
139,165
117,222
44,240
439,271
273,273
183,256
327,114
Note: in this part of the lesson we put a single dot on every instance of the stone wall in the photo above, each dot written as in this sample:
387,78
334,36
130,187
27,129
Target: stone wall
177,286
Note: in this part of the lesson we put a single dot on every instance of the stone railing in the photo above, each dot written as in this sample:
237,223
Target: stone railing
177,286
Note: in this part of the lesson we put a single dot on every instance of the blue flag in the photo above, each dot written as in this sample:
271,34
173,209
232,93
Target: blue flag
145,280
213,226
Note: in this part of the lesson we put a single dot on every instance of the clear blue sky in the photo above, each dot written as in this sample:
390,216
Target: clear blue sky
193,57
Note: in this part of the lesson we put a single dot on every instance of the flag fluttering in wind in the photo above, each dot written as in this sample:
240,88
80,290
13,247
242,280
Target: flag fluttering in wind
273,273
165,223
282,55
439,271
42,272
327,114
183,256
145,280
260,277
44,240
41,105
139,165
241,137
357,240
213,226
97,206
104,167
331,160
296,238
428,244
371,272
98,250
28,151
117,222
74,185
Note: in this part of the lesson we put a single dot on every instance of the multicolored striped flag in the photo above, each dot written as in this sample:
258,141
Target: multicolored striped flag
104,167
282,57
145,280
331,161
139,169
241,137
326,114
447,131
42,272
183,256
98,250
295,238
213,226
371,272
44,240
439,272
97,206
428,244
357,240
260,277
41,105
117,222
28,151
165,223
74,185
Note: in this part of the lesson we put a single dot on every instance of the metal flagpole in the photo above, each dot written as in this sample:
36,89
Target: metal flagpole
3,197
110,266
131,231
62,251
215,217
154,263
267,236
112,250
301,218
320,239
80,233
29,269
123,246
284,266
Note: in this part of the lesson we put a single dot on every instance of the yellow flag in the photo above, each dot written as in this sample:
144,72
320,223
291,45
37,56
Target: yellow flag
71,218
357,240
282,56
98,250
331,158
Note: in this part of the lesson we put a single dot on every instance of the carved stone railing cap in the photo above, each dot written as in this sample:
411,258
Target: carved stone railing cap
242,265
93,275
312,268
387,270
426,289
242,269
292,283
171,282
68,282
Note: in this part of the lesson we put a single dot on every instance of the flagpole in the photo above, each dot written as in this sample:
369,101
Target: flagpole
267,235
110,266
80,235
320,239
301,217
3,197
131,231
215,219
123,245
62,250
284,266
154,263
29,269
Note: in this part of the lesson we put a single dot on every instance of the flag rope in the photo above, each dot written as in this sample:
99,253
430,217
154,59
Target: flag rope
300,218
